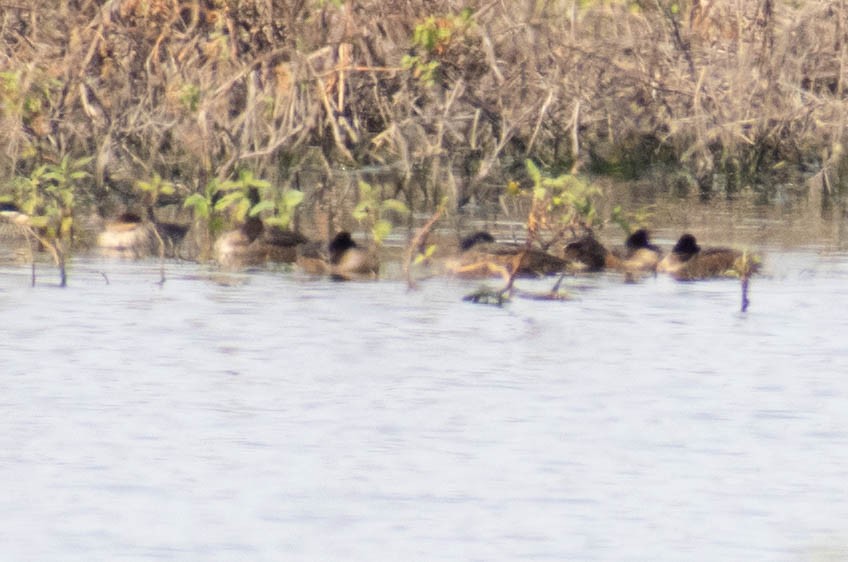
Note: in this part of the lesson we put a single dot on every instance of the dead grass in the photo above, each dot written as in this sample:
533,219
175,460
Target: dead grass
318,94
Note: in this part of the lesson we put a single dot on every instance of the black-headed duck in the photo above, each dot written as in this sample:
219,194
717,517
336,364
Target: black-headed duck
349,261
342,259
253,244
481,256
13,214
14,224
131,236
638,255
689,262
479,237
127,236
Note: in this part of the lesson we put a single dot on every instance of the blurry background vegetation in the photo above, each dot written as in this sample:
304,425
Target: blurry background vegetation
413,99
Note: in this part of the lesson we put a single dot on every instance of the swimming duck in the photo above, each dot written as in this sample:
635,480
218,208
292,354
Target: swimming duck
127,236
131,236
479,237
349,261
253,244
481,256
172,235
589,254
11,213
688,261
14,239
638,255
342,259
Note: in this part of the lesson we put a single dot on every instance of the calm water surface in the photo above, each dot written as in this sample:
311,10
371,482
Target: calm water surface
268,416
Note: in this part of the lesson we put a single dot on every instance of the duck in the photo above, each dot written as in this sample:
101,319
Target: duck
132,236
589,254
689,262
479,237
15,246
481,256
342,259
638,255
253,244
127,236
171,233
13,214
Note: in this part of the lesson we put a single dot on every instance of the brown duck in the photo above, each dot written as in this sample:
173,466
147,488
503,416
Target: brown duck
689,262
480,256
342,259
253,245
638,255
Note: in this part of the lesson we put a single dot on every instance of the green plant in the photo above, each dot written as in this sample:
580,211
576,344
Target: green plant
372,209
47,196
232,201
154,188
559,204
50,193
629,221
240,195
431,39
282,207
203,203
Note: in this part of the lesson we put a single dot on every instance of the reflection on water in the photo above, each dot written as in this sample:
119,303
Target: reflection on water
269,416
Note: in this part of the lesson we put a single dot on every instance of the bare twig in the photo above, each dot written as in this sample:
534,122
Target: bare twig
416,243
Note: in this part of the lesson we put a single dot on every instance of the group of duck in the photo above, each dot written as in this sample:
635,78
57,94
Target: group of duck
253,244
481,255
478,255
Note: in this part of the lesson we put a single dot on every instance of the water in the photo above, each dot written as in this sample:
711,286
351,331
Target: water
269,416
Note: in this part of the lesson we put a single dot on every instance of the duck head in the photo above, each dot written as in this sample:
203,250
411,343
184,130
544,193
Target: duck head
639,240
686,246
480,237
339,245
252,228
12,213
129,217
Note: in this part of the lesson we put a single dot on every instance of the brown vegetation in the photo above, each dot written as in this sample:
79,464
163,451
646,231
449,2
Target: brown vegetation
424,98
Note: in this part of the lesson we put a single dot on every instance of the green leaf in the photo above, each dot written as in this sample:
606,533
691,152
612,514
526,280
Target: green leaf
39,221
198,203
84,161
396,206
382,228
558,182
408,61
242,208
227,185
260,183
360,212
365,190
229,200
262,206
282,221
212,187
533,172
292,198
65,227
539,192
